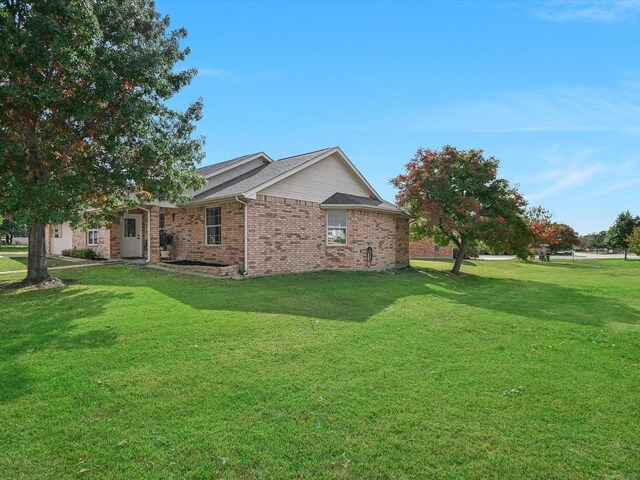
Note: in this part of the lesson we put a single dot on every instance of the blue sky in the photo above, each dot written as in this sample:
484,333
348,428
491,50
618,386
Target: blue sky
552,89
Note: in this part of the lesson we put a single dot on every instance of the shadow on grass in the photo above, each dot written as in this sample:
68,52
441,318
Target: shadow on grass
338,296
533,299
37,320
450,261
357,296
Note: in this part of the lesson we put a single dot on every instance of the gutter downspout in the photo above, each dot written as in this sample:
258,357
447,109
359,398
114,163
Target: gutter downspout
246,236
148,233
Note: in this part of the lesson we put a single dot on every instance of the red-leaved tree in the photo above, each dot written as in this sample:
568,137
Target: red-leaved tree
458,198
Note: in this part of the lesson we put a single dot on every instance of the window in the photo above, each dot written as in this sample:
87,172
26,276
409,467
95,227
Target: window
213,225
57,231
92,237
161,218
130,227
336,227
436,249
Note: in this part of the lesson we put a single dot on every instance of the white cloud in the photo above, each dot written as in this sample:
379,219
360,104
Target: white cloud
564,169
564,179
605,11
621,185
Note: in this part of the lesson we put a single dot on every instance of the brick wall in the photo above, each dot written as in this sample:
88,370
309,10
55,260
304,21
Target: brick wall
288,235
427,248
188,228
285,235
103,249
365,229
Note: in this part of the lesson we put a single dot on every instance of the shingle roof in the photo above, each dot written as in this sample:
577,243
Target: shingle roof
348,199
256,177
268,172
221,165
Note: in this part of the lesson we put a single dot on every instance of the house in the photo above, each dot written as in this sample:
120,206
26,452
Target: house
308,212
427,248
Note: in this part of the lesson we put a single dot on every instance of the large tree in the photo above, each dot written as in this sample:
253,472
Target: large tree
458,198
85,122
619,232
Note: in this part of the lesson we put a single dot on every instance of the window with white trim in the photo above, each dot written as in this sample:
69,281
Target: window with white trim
92,237
57,231
213,225
336,227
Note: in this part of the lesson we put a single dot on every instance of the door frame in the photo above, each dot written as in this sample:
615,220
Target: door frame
138,218
62,242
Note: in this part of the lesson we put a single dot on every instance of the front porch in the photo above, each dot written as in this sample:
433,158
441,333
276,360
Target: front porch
137,235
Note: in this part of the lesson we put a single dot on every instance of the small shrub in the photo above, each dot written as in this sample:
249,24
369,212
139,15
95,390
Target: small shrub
84,253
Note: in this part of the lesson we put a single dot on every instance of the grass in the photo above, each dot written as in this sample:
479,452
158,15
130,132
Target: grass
5,249
8,263
511,371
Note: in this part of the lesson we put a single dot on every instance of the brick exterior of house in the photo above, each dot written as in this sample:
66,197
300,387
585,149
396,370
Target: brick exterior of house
288,235
187,224
428,249
284,236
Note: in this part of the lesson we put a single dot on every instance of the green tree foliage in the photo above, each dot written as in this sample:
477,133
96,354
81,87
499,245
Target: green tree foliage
538,214
10,229
594,241
634,241
84,121
458,198
619,232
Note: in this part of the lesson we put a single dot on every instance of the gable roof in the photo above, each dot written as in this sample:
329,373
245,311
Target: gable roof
248,184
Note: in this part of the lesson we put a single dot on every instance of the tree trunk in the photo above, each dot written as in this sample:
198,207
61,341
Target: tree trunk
462,250
37,267
625,253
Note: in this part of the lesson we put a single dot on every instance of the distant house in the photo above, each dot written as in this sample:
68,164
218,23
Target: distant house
427,248
308,212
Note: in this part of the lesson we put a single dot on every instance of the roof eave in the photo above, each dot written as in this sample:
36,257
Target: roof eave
342,206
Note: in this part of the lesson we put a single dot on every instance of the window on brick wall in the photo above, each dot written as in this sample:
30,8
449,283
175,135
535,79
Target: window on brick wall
213,225
161,221
436,249
92,237
336,227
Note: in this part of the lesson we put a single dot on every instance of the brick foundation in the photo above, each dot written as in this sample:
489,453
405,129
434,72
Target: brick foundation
217,271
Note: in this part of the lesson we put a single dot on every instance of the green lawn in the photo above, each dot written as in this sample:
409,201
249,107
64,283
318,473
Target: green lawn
6,249
8,264
511,371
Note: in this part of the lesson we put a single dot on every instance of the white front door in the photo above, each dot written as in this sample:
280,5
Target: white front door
62,238
131,236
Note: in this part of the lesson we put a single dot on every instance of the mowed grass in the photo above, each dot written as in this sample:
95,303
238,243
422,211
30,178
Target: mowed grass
512,370
7,249
8,263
